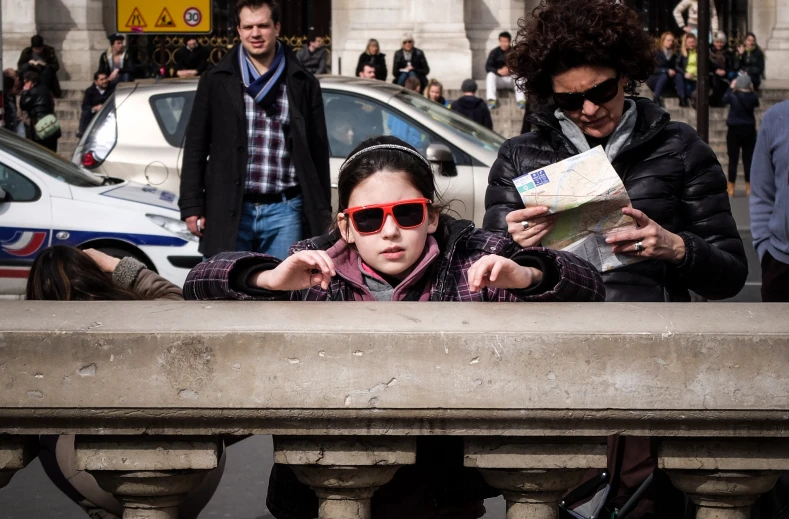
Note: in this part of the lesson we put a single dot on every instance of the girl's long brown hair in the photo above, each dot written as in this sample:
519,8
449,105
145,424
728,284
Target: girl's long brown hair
63,273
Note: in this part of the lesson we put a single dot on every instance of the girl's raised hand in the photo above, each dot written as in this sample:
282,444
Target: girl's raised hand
302,270
500,272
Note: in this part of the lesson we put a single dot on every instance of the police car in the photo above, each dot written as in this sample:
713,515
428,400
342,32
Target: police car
45,200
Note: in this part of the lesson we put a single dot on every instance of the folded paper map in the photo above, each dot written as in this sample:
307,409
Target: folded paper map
588,195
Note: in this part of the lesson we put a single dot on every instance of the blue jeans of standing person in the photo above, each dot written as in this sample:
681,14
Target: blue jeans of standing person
270,228
401,79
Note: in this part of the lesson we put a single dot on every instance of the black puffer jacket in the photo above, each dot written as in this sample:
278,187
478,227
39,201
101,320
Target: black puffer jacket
672,176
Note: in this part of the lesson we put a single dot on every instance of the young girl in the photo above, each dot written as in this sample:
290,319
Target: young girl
392,244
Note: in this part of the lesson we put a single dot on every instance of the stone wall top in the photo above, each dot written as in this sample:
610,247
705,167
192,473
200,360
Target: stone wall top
398,368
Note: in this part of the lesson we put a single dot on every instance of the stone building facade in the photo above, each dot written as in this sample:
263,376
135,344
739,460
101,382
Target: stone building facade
456,35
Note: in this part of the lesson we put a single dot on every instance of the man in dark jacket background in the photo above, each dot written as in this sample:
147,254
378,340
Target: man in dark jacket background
472,106
314,56
94,98
42,59
37,101
256,159
191,59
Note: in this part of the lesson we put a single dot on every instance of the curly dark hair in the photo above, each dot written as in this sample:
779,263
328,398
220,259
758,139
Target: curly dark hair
564,34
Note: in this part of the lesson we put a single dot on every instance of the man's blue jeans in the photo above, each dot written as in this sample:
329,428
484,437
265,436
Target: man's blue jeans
401,79
270,228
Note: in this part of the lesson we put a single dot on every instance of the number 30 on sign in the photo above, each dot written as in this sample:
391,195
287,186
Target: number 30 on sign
164,16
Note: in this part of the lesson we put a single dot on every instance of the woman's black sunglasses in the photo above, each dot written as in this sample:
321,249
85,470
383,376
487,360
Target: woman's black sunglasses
598,95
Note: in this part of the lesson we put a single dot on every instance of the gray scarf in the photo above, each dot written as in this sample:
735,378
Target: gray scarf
622,135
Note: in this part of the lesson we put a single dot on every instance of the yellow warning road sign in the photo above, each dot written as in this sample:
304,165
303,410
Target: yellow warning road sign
163,16
165,20
136,20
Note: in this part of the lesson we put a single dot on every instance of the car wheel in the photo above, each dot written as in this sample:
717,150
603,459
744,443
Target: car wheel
119,253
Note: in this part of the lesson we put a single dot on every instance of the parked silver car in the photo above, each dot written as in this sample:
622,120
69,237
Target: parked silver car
139,135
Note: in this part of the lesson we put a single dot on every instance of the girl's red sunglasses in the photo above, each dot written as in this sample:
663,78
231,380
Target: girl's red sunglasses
407,214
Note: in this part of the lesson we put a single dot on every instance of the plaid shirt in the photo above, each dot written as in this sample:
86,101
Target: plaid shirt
269,168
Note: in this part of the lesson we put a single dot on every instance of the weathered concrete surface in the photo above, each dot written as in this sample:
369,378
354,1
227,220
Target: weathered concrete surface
346,452
724,455
401,368
141,454
506,453
15,453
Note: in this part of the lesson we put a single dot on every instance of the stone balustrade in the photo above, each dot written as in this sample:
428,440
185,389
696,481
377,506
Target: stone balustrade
534,389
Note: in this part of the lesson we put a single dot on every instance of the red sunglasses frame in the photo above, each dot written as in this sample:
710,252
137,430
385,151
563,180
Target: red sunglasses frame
388,212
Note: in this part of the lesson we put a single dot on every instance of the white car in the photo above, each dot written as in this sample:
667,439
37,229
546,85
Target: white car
45,200
139,133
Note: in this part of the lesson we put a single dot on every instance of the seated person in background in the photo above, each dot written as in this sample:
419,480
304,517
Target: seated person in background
117,62
413,85
472,106
410,62
721,68
750,59
498,73
94,98
367,71
41,58
688,68
373,56
191,60
435,92
314,56
665,70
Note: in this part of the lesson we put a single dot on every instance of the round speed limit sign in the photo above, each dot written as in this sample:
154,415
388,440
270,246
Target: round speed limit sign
193,17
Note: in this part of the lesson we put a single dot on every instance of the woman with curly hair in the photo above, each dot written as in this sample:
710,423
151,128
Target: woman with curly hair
588,57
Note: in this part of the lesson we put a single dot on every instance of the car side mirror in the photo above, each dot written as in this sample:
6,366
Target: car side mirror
441,160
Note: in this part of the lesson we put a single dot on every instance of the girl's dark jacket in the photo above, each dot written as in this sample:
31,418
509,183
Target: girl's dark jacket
672,176
565,276
378,61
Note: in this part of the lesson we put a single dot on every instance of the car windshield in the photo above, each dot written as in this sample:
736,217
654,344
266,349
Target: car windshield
457,123
47,162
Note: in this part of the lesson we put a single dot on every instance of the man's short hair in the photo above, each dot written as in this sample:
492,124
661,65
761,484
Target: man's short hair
36,41
32,76
312,36
413,84
505,34
97,74
368,65
276,11
191,37
116,37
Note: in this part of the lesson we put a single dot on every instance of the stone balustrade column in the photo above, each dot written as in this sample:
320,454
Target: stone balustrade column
15,453
533,474
150,476
344,472
724,478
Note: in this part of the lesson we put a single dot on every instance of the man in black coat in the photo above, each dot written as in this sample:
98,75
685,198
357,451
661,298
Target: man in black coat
256,159
42,59
190,60
94,98
472,106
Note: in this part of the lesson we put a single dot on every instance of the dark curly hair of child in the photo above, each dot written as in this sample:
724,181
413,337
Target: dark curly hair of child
564,34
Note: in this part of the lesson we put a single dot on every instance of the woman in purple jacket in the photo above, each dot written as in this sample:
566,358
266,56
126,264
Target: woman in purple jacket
391,243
